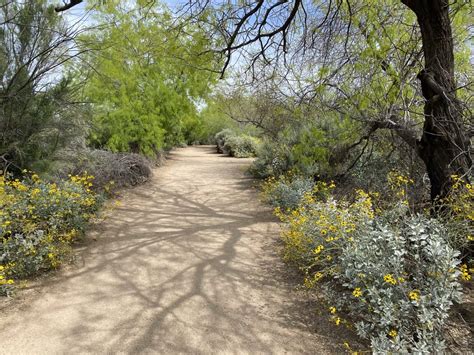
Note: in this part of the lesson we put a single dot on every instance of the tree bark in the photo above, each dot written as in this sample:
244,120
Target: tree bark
444,145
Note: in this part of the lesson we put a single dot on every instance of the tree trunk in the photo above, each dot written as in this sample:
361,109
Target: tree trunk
444,145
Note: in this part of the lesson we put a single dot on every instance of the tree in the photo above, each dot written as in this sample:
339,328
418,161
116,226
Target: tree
36,115
144,79
444,145
269,29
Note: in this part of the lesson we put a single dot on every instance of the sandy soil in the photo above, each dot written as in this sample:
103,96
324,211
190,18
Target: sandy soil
187,264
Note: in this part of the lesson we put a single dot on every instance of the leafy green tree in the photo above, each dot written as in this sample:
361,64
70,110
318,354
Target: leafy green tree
147,79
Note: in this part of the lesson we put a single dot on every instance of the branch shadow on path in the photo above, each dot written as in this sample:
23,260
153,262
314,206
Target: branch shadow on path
188,264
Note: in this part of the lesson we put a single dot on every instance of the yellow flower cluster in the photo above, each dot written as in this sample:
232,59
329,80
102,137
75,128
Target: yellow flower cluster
357,292
399,184
465,275
393,333
390,279
317,229
3,279
414,295
58,210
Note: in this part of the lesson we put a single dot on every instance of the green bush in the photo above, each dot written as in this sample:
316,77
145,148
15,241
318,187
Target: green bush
236,145
221,139
273,159
286,192
391,274
242,146
38,222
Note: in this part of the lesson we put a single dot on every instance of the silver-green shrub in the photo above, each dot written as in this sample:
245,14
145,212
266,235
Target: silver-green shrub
287,193
408,280
221,138
242,146
391,274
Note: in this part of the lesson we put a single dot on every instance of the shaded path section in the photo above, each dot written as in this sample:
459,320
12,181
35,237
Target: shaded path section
187,264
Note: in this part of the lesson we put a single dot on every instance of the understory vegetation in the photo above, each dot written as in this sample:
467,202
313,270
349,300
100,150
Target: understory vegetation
358,115
236,145
387,270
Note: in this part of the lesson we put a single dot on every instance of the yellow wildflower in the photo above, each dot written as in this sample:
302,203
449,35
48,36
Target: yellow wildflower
357,292
318,249
414,295
389,279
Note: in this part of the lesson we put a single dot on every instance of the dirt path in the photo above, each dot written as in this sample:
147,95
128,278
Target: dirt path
187,264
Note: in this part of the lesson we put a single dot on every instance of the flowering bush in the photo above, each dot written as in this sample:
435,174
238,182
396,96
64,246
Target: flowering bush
458,214
38,222
286,192
398,280
389,272
319,230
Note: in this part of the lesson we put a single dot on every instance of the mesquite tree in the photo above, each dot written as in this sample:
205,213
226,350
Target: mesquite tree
445,144
268,28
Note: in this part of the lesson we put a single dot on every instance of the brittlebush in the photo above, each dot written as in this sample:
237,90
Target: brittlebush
389,272
38,222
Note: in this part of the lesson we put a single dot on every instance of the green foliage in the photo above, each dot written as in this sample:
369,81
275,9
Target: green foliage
286,192
221,138
39,221
242,146
236,145
391,274
315,148
211,121
146,83
35,117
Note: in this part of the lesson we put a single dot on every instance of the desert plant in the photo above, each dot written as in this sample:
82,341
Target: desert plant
38,222
391,273
109,169
286,192
221,138
242,146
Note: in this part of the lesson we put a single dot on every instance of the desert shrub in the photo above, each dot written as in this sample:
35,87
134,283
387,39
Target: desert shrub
286,192
457,213
398,281
109,169
38,222
242,146
319,229
221,139
316,148
392,272
236,145
272,160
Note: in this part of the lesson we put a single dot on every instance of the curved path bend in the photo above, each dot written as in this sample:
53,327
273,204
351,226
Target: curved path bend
188,263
